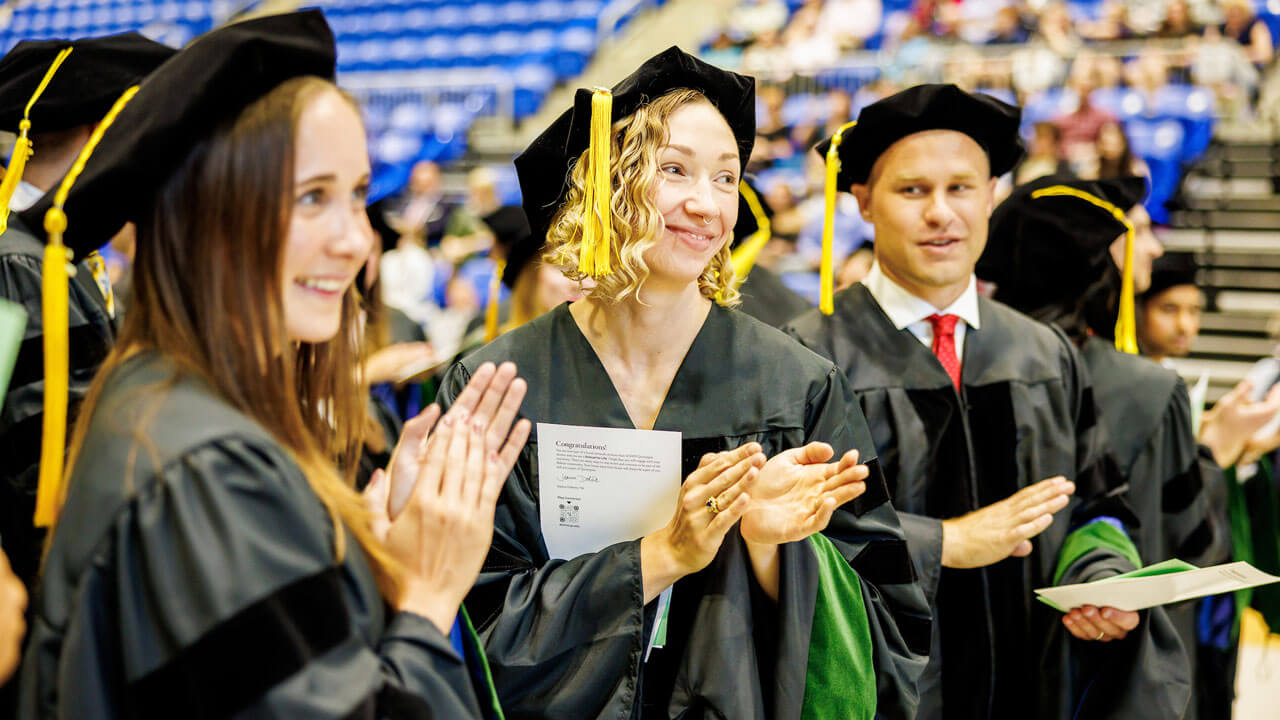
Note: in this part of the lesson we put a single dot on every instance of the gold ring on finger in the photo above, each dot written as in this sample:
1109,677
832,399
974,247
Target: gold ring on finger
1101,635
713,504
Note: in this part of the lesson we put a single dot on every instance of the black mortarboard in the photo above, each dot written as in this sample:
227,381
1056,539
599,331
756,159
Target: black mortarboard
177,106
753,230
1170,270
89,81
991,123
543,168
511,232
1050,240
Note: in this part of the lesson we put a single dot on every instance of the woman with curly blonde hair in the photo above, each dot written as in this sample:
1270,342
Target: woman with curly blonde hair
790,591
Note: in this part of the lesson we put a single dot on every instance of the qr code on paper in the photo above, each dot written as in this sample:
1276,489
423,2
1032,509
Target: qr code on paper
570,512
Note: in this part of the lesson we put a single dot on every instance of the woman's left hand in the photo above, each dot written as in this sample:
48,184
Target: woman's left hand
797,491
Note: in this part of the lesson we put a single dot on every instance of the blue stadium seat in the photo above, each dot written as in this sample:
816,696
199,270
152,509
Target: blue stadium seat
1124,103
1194,107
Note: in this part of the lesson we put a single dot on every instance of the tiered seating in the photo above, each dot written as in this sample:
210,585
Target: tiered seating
170,21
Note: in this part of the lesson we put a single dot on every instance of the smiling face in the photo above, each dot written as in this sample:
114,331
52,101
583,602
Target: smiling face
696,193
929,197
329,237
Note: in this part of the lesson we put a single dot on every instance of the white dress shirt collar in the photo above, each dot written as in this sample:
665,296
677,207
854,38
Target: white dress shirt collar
905,309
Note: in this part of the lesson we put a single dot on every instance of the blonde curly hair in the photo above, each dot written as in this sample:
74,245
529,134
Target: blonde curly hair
637,224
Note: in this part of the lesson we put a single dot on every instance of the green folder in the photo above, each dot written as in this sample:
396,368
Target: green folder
13,321
1161,568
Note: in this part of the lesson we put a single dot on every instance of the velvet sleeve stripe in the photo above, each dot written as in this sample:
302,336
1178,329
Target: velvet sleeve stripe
885,561
877,490
1096,535
1197,542
840,663
243,657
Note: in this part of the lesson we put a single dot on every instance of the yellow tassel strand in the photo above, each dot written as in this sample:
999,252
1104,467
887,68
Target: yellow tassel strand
22,149
57,268
826,273
597,233
1126,325
744,257
491,307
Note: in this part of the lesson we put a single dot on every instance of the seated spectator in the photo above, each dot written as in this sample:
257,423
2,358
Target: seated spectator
850,23
1007,28
1042,155
753,19
1244,26
1080,128
1178,22
1112,156
421,210
1058,31
807,48
773,135
1111,26
1222,64
765,58
466,234
723,52
787,220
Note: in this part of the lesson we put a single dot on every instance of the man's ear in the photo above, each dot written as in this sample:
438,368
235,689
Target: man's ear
862,193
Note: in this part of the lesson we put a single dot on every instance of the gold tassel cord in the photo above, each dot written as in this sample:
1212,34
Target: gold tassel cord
57,269
491,307
744,257
1126,325
22,148
597,233
826,273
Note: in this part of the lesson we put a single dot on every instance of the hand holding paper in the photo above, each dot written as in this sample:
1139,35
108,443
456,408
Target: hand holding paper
1161,584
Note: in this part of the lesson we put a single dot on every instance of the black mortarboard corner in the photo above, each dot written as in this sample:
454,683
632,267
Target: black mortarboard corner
177,106
991,123
93,76
544,167
1046,247
1172,269
511,232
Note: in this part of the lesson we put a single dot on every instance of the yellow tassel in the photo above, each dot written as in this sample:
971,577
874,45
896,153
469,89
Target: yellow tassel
1126,325
597,233
57,268
491,307
22,148
826,273
744,257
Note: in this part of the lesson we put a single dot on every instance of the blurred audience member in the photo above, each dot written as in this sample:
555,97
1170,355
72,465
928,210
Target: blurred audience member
466,234
1112,25
1113,156
1243,25
753,19
1059,31
806,47
723,52
855,267
1079,128
1177,22
851,23
1042,155
421,210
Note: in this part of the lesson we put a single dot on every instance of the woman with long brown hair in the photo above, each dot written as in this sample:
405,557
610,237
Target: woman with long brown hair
211,557
791,594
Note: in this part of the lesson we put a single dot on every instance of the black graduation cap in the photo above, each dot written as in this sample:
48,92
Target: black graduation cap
751,207
96,72
991,123
178,105
511,232
543,168
1172,269
1047,246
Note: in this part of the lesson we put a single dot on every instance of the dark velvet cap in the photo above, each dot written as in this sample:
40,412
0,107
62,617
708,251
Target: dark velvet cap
511,232
182,102
1049,250
96,72
544,167
1170,270
991,123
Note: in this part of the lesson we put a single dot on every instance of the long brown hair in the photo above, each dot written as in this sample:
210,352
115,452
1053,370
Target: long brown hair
207,294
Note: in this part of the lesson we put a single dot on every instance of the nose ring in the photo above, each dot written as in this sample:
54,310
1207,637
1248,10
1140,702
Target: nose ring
706,221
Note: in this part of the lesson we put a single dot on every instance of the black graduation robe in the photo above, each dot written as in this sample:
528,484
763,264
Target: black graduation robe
192,575
92,332
766,298
566,638
1175,487
1026,413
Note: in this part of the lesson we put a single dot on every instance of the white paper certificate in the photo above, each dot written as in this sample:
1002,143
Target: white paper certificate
1138,593
601,486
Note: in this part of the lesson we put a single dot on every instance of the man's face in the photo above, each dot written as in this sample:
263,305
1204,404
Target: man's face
1170,321
929,197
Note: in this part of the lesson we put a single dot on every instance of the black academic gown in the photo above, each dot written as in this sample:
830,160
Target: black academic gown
1025,413
192,575
566,638
92,332
1175,487
766,298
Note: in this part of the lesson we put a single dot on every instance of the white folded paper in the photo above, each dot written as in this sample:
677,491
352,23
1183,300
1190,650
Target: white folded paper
1158,585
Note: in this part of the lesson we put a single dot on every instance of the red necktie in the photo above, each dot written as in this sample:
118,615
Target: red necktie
944,344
